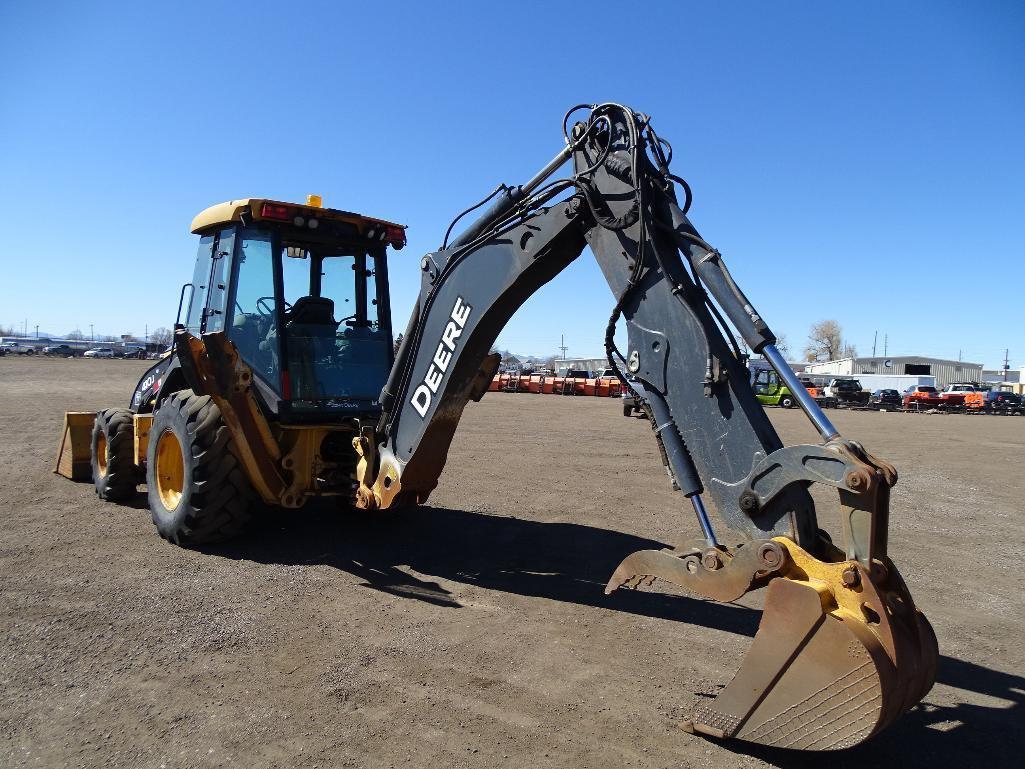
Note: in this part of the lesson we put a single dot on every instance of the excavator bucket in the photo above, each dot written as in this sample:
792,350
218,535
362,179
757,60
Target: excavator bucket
74,455
840,653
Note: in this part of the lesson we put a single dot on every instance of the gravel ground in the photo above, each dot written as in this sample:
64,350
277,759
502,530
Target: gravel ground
472,632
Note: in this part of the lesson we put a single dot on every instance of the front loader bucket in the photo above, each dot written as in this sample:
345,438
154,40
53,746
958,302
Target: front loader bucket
74,455
840,653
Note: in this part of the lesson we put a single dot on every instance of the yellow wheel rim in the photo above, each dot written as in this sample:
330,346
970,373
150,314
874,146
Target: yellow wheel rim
170,470
101,454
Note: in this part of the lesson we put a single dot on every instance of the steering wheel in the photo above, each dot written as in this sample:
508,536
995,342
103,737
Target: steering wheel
266,309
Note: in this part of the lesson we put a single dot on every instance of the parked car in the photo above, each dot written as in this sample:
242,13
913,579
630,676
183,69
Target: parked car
62,350
847,392
1000,401
922,397
885,400
17,348
99,352
133,352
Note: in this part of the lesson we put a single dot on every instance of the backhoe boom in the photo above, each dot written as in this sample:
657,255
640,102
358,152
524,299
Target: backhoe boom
840,626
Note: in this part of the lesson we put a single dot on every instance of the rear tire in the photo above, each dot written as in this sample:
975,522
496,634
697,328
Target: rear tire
787,401
628,410
198,491
113,455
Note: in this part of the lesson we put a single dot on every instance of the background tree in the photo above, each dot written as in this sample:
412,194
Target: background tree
161,336
783,346
398,343
825,342
76,334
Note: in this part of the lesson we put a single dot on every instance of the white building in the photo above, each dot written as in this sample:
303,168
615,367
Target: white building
945,371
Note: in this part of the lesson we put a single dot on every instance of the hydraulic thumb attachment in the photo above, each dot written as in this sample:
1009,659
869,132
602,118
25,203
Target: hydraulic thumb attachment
841,650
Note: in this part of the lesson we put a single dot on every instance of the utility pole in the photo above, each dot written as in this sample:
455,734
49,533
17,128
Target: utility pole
1006,362
92,336
563,346
875,339
886,344
37,331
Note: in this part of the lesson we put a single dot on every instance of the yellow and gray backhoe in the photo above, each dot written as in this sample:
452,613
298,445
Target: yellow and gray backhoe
282,385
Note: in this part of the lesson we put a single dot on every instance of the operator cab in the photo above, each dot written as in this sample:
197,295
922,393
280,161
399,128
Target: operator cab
302,292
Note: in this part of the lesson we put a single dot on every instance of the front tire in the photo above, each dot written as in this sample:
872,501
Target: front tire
787,401
198,491
113,455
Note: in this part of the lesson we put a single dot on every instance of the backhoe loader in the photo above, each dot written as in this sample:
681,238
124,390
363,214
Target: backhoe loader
283,385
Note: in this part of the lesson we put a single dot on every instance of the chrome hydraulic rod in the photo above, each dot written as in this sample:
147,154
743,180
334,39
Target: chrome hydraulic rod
508,198
703,521
553,165
807,403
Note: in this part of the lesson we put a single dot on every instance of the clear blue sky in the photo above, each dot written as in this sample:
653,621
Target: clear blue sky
858,161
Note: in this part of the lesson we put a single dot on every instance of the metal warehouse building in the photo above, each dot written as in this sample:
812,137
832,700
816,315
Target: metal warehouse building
945,371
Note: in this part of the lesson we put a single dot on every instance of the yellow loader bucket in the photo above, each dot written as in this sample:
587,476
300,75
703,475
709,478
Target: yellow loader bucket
74,455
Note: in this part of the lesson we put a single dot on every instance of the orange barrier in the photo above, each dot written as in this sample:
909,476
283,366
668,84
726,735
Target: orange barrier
555,385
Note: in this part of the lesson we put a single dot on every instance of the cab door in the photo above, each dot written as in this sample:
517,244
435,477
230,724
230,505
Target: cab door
208,299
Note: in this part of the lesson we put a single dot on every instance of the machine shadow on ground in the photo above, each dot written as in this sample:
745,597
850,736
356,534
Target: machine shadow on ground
571,562
565,562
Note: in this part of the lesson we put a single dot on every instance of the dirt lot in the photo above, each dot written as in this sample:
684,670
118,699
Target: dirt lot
473,632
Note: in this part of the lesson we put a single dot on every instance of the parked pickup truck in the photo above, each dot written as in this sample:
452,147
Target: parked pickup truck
847,392
631,403
818,394
954,394
17,348
922,397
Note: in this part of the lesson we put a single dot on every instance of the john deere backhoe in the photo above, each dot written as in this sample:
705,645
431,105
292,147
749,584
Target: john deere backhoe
282,385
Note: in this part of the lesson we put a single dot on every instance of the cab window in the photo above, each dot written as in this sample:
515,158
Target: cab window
217,290
200,281
254,310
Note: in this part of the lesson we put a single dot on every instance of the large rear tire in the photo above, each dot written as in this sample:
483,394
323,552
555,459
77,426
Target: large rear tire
198,491
113,455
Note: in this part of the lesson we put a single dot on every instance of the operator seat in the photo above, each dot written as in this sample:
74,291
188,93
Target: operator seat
312,311
311,327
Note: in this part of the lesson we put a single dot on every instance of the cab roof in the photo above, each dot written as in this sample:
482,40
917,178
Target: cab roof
281,212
